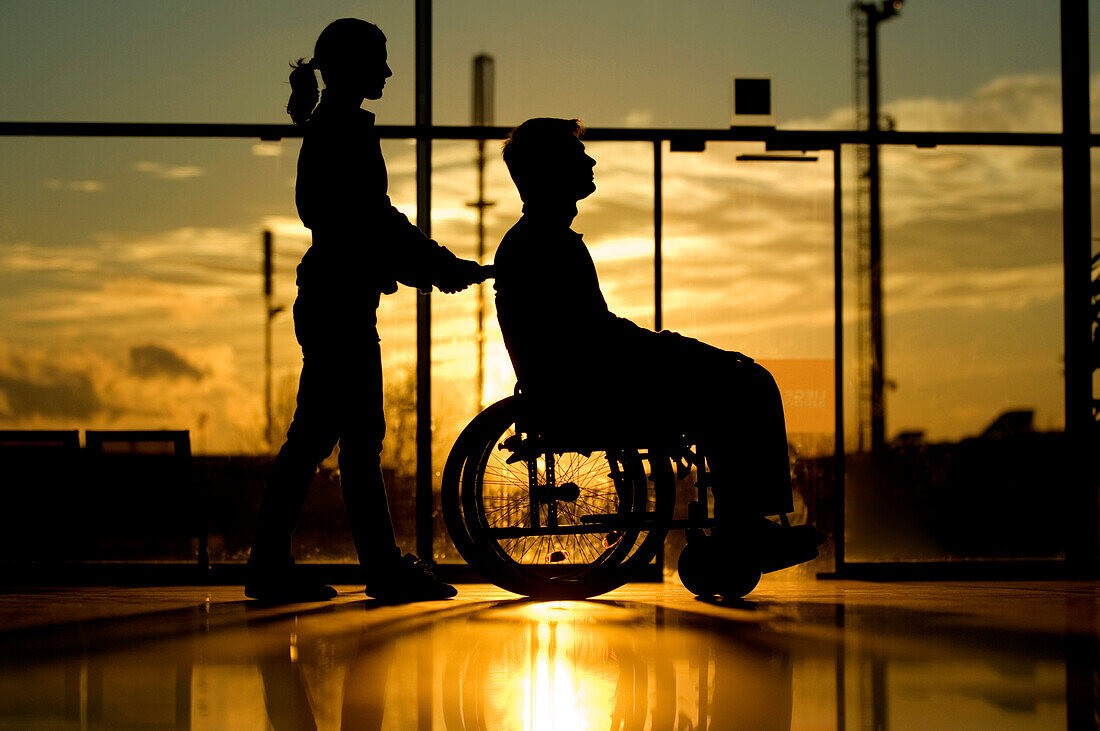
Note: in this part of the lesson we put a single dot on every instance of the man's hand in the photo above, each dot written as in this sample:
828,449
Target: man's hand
462,275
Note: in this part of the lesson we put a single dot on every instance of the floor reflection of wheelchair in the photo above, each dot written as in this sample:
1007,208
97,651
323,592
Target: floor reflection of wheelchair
570,511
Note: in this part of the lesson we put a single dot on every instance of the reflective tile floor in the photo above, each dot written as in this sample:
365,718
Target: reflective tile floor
807,655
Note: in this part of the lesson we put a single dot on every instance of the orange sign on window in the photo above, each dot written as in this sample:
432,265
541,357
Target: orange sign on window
808,393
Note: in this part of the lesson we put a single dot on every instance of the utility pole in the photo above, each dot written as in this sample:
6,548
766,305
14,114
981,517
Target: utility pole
875,13
270,313
482,117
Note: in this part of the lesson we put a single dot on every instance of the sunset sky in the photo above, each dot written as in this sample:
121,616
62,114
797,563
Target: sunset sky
129,268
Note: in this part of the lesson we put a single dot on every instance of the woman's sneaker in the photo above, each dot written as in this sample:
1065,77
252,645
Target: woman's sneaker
281,584
408,579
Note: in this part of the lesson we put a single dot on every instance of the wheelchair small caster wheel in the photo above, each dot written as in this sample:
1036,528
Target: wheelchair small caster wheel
696,573
704,574
738,579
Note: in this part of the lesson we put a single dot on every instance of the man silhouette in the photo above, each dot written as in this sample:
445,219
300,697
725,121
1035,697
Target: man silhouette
576,360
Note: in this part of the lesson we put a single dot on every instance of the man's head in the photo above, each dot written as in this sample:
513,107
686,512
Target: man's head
546,159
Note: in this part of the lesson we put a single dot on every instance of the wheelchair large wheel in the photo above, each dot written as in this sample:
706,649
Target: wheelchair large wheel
591,520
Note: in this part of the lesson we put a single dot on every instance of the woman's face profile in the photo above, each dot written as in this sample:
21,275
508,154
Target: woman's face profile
373,72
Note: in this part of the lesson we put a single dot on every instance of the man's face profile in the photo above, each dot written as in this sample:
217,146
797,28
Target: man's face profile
548,163
572,167
586,182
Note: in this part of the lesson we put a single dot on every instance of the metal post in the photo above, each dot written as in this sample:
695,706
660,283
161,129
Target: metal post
658,266
838,366
1077,230
424,498
658,227
482,117
268,317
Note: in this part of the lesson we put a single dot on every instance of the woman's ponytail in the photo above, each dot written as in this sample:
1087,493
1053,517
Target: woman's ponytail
303,91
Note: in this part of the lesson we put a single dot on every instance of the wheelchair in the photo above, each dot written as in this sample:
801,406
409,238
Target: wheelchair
569,511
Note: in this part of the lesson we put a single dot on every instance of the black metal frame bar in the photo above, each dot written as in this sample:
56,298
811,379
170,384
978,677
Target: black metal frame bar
425,525
658,235
776,139
1081,430
838,362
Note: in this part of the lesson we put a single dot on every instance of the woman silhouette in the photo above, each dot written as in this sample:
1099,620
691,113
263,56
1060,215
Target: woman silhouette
362,247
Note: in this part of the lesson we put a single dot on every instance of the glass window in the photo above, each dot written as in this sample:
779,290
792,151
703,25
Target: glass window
748,262
973,361
979,65
132,61
131,297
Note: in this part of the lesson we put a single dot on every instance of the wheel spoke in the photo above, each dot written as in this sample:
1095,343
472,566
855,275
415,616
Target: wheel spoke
505,503
496,495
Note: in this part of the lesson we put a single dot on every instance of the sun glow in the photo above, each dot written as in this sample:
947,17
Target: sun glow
500,378
557,694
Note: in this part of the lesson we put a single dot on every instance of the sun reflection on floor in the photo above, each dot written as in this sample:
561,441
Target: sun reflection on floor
643,658
548,672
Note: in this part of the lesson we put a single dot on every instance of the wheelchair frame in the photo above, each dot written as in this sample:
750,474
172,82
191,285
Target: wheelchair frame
631,536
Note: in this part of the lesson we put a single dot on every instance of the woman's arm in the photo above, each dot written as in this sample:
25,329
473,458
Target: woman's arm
341,192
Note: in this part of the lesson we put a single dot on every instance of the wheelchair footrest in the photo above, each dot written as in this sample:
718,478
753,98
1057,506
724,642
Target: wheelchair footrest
646,520
566,530
615,520
681,523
